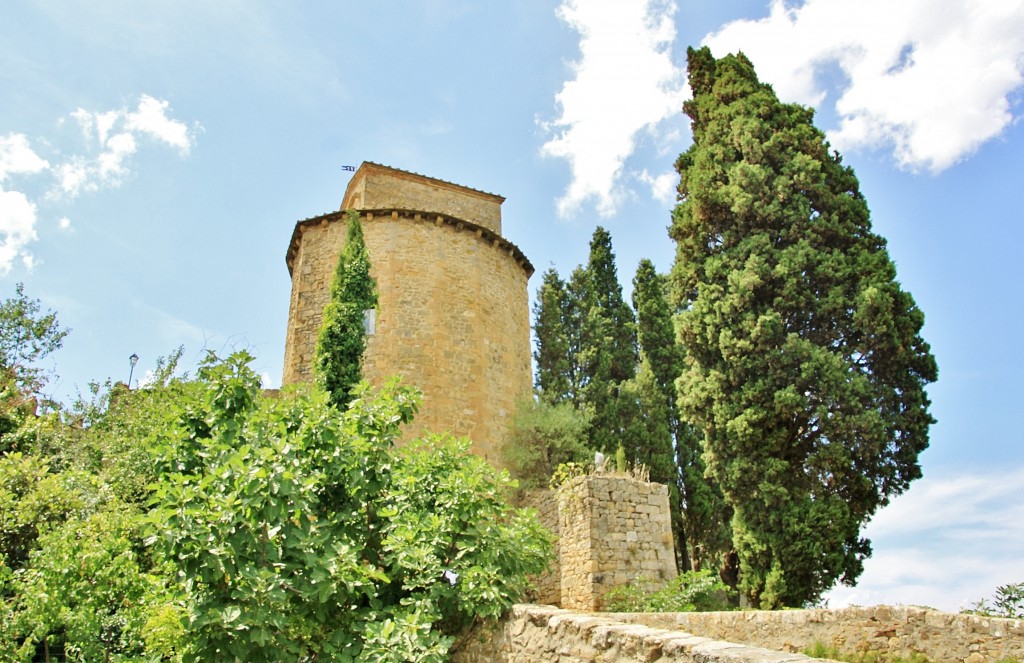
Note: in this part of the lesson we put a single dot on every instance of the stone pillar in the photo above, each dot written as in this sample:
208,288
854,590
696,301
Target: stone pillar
613,529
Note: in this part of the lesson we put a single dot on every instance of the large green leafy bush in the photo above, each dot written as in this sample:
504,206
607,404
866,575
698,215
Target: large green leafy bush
198,519
300,533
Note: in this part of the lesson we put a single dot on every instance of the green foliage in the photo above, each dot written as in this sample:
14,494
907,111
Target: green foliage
608,350
555,328
566,472
33,498
805,368
27,336
195,519
85,592
586,344
1008,602
543,437
337,359
691,591
299,533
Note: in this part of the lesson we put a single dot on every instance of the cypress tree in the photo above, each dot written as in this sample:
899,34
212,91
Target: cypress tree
608,349
700,520
337,362
805,367
551,355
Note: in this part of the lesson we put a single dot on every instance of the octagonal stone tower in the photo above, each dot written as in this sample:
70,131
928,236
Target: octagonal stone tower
453,314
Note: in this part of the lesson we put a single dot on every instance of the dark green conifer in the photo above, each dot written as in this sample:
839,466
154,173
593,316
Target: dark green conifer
701,518
551,353
806,370
608,349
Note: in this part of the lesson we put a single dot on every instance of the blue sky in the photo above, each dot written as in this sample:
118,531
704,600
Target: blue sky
154,158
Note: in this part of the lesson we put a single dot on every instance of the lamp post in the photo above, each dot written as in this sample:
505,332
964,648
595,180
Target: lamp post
134,359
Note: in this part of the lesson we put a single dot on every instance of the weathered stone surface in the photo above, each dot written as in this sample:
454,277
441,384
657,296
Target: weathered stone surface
547,588
453,316
611,531
375,187
891,630
547,634
542,634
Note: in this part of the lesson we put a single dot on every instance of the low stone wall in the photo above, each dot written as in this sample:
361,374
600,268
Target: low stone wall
542,634
895,631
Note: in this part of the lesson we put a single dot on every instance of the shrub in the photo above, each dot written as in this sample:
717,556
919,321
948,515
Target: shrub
692,591
301,534
545,436
1008,602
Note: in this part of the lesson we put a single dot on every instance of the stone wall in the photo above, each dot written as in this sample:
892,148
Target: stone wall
613,529
453,316
543,634
894,631
376,187
547,588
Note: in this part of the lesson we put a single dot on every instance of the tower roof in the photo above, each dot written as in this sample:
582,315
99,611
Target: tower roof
368,166
374,186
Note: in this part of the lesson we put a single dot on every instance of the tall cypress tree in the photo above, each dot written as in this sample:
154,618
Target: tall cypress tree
805,365
337,361
551,355
701,518
608,349
660,364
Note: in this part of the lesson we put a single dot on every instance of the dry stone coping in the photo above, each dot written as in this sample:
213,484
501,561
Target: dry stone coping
615,640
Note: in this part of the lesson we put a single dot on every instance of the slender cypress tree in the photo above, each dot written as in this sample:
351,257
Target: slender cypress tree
805,365
701,519
337,363
552,348
608,349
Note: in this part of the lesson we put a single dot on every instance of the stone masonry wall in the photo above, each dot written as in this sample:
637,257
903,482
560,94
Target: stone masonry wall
546,588
376,187
543,634
453,317
895,631
613,529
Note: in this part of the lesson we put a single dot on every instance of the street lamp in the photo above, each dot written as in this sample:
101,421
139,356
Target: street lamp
134,359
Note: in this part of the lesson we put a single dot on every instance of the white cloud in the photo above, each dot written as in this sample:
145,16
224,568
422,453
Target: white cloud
16,157
625,81
947,543
73,177
17,212
663,187
111,163
117,133
929,79
112,139
17,229
151,118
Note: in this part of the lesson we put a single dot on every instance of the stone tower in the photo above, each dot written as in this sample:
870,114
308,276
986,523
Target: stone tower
453,313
